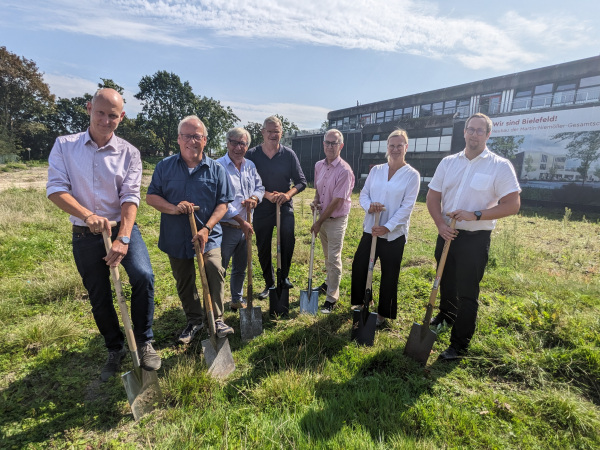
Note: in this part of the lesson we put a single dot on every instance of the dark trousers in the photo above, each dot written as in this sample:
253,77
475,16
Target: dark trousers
459,288
263,229
390,255
88,251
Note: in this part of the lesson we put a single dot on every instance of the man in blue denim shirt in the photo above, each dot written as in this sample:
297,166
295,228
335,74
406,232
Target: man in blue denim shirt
95,177
179,182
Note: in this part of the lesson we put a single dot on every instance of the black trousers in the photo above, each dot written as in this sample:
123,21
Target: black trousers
264,225
390,254
459,288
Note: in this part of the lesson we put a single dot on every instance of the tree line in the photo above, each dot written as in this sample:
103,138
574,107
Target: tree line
31,117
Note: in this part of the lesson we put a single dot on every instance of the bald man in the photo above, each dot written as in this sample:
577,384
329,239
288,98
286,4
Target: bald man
95,177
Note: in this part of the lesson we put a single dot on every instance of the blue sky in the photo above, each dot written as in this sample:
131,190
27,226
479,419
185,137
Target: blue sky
301,58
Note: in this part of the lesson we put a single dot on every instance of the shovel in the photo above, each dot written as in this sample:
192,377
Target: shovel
143,390
279,297
250,317
309,299
421,337
216,350
364,322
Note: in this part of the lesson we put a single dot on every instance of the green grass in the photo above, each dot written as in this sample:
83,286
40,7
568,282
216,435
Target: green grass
532,378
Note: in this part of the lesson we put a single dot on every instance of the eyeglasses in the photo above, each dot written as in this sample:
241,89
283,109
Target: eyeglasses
236,143
189,137
479,131
331,144
396,147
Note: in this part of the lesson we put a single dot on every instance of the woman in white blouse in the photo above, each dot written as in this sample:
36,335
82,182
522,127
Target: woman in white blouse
392,189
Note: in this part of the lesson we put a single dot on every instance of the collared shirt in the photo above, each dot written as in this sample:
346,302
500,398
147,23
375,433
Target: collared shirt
473,185
100,178
276,174
398,195
245,183
335,180
206,186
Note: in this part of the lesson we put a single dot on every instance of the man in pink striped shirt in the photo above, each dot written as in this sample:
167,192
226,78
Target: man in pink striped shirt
334,181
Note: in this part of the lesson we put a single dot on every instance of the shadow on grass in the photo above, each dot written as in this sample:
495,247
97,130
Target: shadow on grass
59,394
377,399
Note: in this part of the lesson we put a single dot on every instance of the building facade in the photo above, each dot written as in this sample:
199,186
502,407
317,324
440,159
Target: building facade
546,121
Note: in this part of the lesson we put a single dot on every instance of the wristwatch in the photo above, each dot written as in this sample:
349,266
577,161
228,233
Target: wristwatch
124,239
477,214
254,197
208,228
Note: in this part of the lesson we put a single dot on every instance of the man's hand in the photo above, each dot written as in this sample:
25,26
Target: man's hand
316,227
116,253
461,214
376,207
250,202
446,232
280,198
315,205
379,231
202,238
184,207
97,224
246,228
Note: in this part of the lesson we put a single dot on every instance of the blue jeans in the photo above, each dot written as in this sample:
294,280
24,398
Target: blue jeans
88,250
234,245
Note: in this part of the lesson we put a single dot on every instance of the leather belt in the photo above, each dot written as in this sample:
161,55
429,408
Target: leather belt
230,225
86,230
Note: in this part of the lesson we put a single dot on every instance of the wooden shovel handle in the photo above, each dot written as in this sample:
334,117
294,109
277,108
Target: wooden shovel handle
278,224
210,317
438,278
249,293
369,284
312,254
114,272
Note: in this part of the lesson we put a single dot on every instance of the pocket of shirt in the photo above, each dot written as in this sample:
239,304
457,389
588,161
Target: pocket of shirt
481,182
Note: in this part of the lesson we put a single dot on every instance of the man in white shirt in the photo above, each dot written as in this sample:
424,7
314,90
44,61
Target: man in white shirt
476,187
248,191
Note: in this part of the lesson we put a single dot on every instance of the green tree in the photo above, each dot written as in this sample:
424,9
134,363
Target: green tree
584,146
24,100
529,167
218,119
256,137
109,83
506,146
165,101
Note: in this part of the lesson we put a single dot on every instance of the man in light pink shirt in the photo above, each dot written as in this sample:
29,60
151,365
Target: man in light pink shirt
334,181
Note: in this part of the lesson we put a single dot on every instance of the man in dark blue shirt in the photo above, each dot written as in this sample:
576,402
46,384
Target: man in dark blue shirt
179,182
277,165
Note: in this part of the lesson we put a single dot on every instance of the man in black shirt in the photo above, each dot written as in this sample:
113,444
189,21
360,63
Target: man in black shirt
277,165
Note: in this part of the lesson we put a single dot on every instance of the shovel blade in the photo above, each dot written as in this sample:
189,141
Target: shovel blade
363,331
279,302
309,302
420,342
143,392
219,360
250,323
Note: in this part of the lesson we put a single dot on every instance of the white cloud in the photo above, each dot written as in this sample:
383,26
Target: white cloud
403,26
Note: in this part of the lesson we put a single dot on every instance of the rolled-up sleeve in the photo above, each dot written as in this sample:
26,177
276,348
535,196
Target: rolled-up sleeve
58,178
130,189
297,175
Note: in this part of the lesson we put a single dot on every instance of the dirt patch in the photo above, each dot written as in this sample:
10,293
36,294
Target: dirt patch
36,177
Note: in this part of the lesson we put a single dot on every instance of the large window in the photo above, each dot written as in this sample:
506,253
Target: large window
450,107
564,94
380,116
425,110
389,116
542,96
463,107
438,108
589,90
522,100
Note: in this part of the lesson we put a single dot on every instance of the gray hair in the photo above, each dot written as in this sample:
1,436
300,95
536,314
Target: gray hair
189,119
272,119
338,132
238,132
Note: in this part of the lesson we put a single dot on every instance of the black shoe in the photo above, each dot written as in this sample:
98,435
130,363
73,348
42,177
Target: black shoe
287,284
149,359
327,307
264,294
381,323
322,289
189,332
451,354
440,319
223,330
113,364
